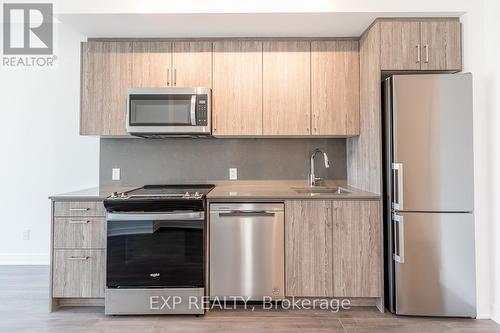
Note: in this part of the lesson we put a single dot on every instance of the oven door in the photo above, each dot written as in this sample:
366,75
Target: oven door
169,111
155,250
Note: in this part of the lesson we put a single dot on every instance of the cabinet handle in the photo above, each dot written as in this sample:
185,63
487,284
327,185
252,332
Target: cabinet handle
215,122
426,48
315,124
418,54
175,76
168,76
78,258
79,221
79,209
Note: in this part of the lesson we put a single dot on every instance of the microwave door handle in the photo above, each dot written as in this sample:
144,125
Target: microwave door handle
193,110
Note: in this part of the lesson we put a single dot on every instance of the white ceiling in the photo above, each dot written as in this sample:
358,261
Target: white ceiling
333,24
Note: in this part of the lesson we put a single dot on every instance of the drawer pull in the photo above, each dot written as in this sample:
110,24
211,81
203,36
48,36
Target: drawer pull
79,258
79,209
79,221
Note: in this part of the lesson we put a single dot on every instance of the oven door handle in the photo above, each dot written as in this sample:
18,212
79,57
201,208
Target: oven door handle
193,110
189,216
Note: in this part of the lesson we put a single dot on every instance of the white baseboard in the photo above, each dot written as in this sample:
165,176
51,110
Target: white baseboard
483,316
24,259
496,313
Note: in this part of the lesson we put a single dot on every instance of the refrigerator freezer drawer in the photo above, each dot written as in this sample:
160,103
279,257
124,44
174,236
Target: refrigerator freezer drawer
437,275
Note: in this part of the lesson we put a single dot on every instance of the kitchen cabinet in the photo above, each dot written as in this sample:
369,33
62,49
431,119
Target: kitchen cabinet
192,64
308,248
421,45
105,79
335,87
151,64
400,45
287,88
441,45
333,248
167,64
357,252
78,253
237,88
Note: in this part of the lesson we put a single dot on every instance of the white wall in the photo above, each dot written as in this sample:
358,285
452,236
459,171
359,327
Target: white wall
41,151
492,89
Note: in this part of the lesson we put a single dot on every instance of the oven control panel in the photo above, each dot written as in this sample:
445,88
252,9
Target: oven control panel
202,110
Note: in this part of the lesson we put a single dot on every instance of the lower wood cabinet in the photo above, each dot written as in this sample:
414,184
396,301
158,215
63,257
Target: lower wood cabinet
78,273
78,248
333,248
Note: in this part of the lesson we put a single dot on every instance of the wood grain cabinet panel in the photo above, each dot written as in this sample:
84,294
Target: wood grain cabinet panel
78,273
357,252
106,77
192,64
237,88
335,87
79,208
441,45
400,45
287,88
79,232
151,64
308,248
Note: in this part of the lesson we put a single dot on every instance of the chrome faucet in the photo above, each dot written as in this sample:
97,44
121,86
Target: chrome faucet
313,180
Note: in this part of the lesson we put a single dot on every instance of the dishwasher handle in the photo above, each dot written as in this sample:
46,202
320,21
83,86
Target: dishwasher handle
242,213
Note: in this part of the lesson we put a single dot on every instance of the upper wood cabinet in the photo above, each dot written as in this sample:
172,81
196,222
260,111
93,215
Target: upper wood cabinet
400,45
421,45
333,248
192,64
335,87
151,64
441,45
106,76
287,88
237,88
167,64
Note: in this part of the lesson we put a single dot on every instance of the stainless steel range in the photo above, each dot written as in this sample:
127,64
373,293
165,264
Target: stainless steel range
156,250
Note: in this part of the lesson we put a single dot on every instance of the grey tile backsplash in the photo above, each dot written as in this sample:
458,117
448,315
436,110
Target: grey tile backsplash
147,161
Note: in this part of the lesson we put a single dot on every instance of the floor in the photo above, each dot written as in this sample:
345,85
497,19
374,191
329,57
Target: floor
23,308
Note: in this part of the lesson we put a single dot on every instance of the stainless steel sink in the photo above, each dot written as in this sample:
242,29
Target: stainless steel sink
321,190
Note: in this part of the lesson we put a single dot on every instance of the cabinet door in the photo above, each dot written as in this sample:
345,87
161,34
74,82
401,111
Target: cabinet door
357,250
441,45
400,45
106,76
237,88
286,84
335,87
308,248
151,64
79,273
192,64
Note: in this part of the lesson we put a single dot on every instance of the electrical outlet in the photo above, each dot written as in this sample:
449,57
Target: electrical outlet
26,234
233,173
115,174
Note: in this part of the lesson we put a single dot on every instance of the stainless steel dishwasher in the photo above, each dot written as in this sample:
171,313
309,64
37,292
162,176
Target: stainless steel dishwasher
247,250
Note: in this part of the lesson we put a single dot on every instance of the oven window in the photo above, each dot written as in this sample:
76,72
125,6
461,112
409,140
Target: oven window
160,110
155,254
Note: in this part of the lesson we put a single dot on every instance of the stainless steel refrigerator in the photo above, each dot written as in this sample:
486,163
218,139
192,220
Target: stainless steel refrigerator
429,195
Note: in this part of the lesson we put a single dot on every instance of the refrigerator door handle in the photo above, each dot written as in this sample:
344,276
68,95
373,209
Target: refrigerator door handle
397,181
399,238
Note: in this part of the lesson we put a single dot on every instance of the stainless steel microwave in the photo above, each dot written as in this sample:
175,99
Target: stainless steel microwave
169,112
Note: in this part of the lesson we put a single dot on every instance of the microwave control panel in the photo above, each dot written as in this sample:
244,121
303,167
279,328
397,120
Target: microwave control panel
201,110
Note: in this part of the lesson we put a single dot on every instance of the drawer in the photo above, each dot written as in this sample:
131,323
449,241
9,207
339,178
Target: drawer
78,273
79,232
79,208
